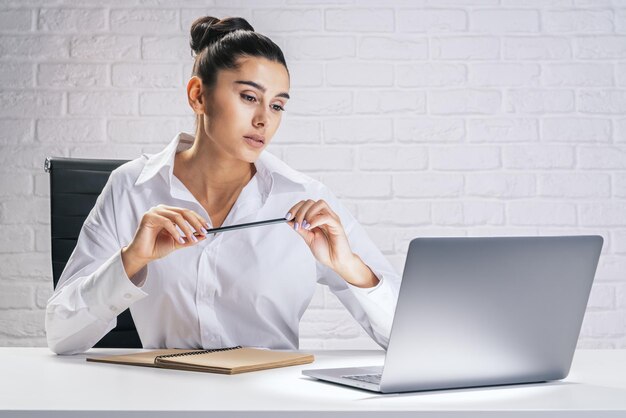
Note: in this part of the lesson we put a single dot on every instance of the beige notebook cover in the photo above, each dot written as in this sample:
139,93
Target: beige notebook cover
225,360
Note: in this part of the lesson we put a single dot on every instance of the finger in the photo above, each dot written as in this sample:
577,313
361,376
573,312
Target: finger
324,219
167,224
313,210
294,209
197,221
299,216
179,220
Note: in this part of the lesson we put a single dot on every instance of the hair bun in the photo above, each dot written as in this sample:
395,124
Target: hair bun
207,30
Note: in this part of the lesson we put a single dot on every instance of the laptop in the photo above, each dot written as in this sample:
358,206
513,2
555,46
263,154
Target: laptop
482,311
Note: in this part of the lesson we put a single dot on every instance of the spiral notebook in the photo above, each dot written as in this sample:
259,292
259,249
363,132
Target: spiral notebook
230,360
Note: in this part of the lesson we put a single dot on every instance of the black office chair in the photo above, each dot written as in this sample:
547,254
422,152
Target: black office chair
74,187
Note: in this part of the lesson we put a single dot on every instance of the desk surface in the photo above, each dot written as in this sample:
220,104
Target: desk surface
35,382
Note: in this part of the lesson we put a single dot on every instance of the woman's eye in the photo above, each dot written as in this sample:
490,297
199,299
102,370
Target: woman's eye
278,107
247,96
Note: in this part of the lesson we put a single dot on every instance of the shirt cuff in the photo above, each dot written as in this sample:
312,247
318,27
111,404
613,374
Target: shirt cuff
378,302
109,291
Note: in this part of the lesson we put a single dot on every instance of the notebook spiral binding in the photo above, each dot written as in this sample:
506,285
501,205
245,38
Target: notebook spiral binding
192,353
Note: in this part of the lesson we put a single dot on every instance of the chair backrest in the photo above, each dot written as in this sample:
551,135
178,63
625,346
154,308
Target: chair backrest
75,184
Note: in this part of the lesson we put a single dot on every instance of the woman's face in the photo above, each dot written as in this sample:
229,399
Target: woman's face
247,101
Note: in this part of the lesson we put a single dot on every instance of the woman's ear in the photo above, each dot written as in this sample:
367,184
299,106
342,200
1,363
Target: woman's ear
195,95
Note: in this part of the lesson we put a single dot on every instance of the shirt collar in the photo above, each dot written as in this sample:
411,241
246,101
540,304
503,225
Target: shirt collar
268,166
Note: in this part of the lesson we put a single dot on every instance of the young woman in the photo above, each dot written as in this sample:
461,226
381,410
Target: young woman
245,287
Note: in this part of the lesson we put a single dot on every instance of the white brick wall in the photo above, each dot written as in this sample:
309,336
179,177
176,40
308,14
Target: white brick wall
456,117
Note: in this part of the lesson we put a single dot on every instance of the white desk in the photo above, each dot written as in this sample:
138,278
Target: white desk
34,382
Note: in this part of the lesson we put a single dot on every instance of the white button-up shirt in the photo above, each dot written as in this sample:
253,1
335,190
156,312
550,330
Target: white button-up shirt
246,287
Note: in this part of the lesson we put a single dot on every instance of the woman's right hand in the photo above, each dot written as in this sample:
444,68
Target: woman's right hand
157,235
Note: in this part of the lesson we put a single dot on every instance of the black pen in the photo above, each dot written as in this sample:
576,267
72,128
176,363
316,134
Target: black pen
246,225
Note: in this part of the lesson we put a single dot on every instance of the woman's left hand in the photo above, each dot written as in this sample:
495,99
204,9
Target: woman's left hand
322,231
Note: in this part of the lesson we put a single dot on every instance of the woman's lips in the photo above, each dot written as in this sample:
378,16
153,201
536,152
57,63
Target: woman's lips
253,143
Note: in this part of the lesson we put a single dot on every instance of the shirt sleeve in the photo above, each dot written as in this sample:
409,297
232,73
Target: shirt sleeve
372,307
94,287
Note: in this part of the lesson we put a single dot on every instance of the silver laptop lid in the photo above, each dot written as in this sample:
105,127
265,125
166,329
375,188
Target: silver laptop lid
478,311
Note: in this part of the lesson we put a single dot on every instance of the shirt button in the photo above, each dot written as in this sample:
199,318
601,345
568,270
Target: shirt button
127,296
112,308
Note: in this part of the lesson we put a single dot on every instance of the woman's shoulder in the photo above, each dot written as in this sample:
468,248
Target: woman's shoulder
126,174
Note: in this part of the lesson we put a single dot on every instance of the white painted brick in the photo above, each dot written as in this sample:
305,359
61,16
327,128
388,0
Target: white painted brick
118,152
504,21
539,101
389,101
396,48
381,238
467,3
16,75
105,47
502,130
16,295
602,297
540,213
602,213
171,48
20,103
357,130
536,48
15,20
393,158
464,157
306,74
321,102
602,157
17,211
26,265
427,184
618,242
620,20
431,75
620,130
16,184
424,20
620,295
447,213
577,75
465,48
71,75
33,47
42,239
575,129
604,324
287,20
358,185
602,101
42,184
611,268
15,239
71,20
620,74
319,47
619,185
166,103
143,130
42,294
502,185
573,184
538,156
319,158
436,130
22,156
359,20
358,74
483,213
31,323
503,74
395,212
144,21
464,102
55,131
601,47
585,21
298,131
146,75
108,102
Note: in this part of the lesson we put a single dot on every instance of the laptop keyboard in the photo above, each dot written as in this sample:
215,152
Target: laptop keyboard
369,378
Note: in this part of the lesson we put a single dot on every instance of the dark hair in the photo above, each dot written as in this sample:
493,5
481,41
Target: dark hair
218,44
